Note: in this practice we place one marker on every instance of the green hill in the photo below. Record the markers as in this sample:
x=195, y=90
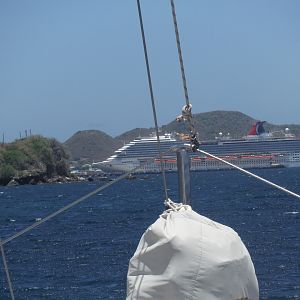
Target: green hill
x=35, y=156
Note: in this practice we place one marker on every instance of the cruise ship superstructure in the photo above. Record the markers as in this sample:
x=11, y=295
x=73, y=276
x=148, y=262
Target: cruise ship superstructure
x=256, y=150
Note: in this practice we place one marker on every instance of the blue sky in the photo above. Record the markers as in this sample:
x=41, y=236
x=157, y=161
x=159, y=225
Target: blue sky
x=71, y=65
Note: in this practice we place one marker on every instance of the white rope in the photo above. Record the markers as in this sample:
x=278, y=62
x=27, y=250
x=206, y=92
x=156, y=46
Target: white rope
x=251, y=174
x=7, y=272
x=173, y=206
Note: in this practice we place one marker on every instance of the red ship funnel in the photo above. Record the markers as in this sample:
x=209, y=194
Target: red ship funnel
x=257, y=128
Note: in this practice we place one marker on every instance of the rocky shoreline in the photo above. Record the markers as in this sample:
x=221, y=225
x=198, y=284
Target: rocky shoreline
x=43, y=179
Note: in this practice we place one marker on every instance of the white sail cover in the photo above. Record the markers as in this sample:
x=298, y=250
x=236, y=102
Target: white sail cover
x=184, y=255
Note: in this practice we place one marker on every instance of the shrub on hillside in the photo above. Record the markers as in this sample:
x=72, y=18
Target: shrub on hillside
x=7, y=172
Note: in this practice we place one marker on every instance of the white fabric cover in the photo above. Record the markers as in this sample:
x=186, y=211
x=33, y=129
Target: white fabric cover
x=184, y=255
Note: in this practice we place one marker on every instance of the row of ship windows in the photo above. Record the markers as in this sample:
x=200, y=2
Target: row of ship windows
x=222, y=144
x=216, y=148
x=205, y=163
x=260, y=145
x=155, y=153
x=261, y=162
x=221, y=151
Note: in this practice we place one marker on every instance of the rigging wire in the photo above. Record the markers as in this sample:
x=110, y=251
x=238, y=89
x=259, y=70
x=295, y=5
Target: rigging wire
x=68, y=206
x=7, y=272
x=152, y=99
x=180, y=54
x=63, y=209
x=189, y=118
x=187, y=109
x=250, y=173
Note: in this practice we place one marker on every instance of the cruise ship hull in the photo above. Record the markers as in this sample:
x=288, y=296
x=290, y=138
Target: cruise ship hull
x=202, y=163
x=141, y=155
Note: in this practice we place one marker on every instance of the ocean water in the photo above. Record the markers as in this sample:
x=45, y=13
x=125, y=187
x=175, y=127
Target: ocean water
x=84, y=252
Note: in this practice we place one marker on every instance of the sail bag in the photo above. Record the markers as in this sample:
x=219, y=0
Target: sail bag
x=184, y=255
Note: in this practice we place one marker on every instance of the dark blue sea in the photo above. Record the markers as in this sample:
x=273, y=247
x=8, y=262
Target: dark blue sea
x=84, y=252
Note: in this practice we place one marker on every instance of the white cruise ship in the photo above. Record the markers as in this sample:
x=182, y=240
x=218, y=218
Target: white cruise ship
x=256, y=150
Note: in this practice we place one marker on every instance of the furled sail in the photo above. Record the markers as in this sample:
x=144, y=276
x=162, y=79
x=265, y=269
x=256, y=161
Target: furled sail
x=184, y=255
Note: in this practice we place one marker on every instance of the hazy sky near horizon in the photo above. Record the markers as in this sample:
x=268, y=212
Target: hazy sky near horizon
x=72, y=65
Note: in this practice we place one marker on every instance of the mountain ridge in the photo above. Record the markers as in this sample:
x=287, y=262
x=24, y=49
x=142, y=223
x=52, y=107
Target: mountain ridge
x=97, y=145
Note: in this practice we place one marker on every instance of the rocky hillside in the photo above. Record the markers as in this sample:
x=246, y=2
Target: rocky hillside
x=89, y=145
